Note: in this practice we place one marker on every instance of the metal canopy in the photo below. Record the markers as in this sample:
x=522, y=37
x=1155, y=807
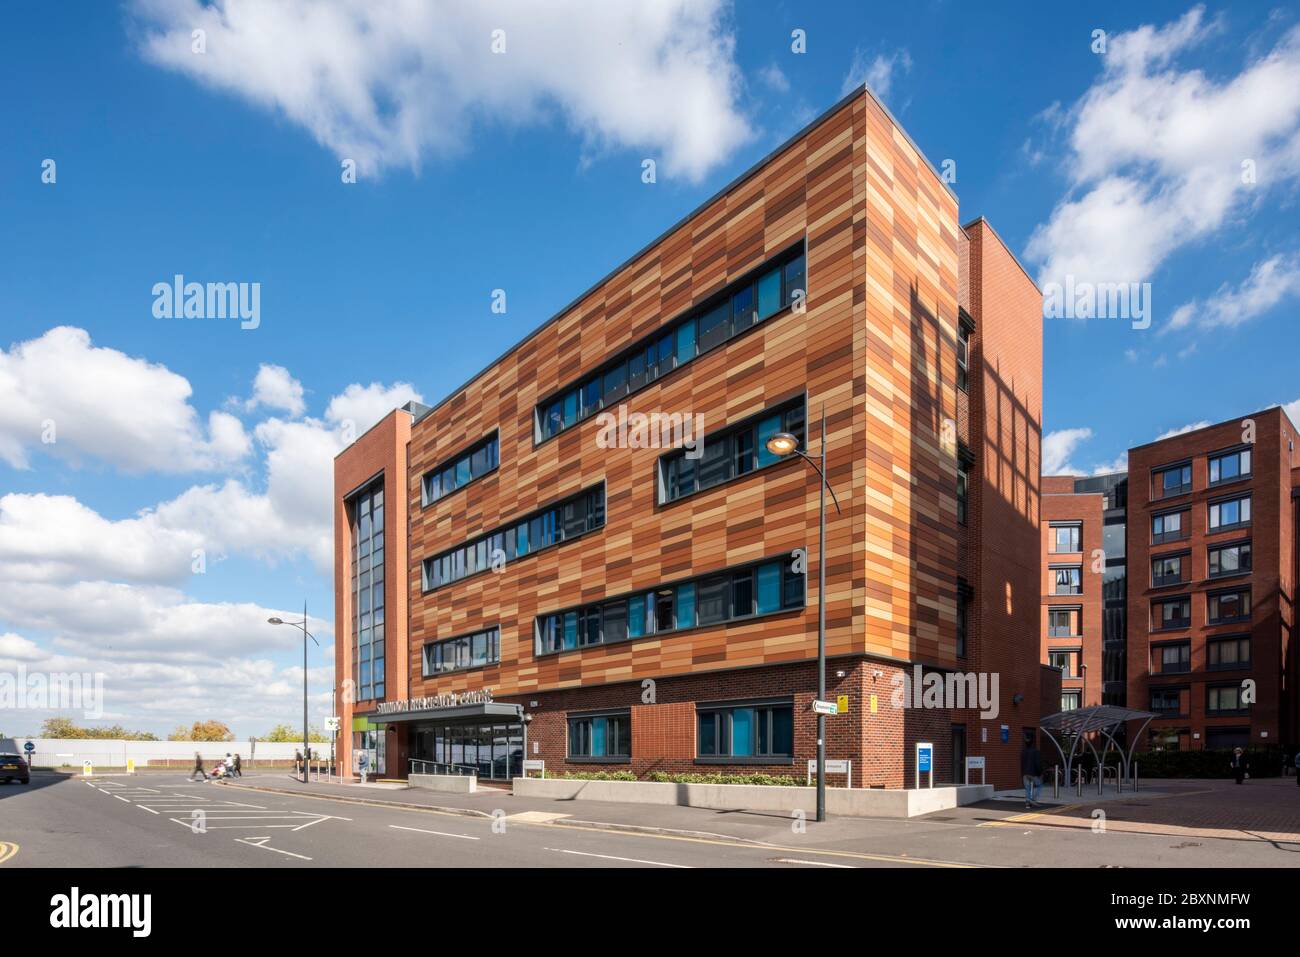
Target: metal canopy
x=1101, y=719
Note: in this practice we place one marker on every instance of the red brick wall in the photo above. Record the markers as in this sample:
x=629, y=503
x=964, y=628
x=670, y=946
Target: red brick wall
x=1087, y=508
x=1271, y=580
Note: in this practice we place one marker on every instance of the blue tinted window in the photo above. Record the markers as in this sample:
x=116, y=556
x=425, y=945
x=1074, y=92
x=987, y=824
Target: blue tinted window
x=686, y=341
x=769, y=588
x=742, y=732
x=686, y=605
x=769, y=294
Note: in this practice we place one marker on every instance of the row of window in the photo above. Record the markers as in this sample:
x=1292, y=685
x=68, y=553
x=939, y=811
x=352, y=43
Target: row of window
x=1220, y=608
x=729, y=454
x=1221, y=467
x=367, y=519
x=1221, y=562
x=757, y=731
x=1221, y=654
x=762, y=294
x=552, y=525
x=472, y=464
x=762, y=589
x=1219, y=700
x=1220, y=515
x=466, y=651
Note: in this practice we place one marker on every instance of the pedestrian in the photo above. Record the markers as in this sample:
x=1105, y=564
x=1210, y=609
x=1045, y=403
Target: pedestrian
x=1297, y=768
x=1239, y=765
x=239, y=767
x=297, y=762
x=1031, y=770
x=198, y=767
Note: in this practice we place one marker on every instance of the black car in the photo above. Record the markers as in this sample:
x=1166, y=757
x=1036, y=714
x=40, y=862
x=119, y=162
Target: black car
x=13, y=767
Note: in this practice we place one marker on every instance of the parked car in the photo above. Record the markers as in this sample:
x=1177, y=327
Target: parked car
x=13, y=767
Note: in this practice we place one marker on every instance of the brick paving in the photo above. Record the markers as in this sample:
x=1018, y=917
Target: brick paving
x=1266, y=809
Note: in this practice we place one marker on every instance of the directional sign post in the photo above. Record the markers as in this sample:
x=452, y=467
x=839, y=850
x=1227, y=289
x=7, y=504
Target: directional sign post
x=825, y=707
x=924, y=761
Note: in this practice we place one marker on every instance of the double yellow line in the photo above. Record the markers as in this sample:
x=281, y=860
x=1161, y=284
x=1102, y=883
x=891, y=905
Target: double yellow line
x=7, y=850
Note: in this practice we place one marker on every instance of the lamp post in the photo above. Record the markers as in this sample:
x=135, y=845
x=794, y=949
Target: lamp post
x=306, y=737
x=783, y=444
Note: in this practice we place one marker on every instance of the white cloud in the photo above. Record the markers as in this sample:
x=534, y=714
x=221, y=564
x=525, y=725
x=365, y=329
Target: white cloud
x=78, y=401
x=877, y=72
x=360, y=407
x=1270, y=282
x=275, y=388
x=1119, y=464
x=773, y=77
x=385, y=84
x=55, y=538
x=1156, y=152
x=1058, y=446
x=1182, y=430
x=1293, y=410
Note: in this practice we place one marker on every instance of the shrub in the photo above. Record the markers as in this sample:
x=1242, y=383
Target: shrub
x=761, y=780
x=592, y=775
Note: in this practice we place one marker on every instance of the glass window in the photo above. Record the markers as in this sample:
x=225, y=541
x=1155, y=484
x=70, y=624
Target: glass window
x=743, y=310
x=1233, y=511
x=615, y=383
x=1068, y=581
x=1229, y=466
x=1173, y=658
x=963, y=491
x=751, y=732
x=1060, y=622
x=713, y=599
x=769, y=588
x=769, y=294
x=1174, y=614
x=1066, y=538
x=1225, y=653
x=1228, y=606
x=1173, y=481
x=1230, y=559
x=794, y=281
x=686, y=341
x=686, y=605
x=636, y=616
x=1169, y=570
x=603, y=736
x=614, y=617
x=1168, y=527
x=963, y=356
x=715, y=326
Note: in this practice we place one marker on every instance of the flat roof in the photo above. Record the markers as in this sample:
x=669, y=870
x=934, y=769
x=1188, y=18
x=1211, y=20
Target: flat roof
x=737, y=181
x=1215, y=425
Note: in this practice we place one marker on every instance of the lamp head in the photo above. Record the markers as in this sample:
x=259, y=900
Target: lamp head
x=783, y=443
x=275, y=621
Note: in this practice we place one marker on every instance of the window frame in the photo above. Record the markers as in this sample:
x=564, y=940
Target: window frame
x=588, y=717
x=1056, y=585
x=469, y=636
x=1178, y=624
x=1159, y=489
x=1236, y=451
x=1216, y=641
x=451, y=462
x=1184, y=526
x=1219, y=594
x=621, y=360
x=1219, y=548
x=1184, y=564
x=1053, y=542
x=1157, y=651
x=1239, y=498
x=719, y=709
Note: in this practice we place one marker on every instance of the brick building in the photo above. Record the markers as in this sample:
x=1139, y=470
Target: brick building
x=1212, y=549
x=517, y=578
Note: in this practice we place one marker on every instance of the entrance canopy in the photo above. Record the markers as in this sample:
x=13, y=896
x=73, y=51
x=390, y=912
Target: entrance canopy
x=479, y=713
x=1082, y=724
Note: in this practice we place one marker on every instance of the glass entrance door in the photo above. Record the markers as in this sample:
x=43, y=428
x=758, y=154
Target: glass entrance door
x=494, y=751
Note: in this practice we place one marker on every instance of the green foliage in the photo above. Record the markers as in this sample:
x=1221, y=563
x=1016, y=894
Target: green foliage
x=760, y=780
x=288, y=734
x=1264, y=763
x=593, y=775
x=65, y=728
x=202, y=731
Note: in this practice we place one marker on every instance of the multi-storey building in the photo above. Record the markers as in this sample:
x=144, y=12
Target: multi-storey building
x=1084, y=623
x=1212, y=539
x=533, y=568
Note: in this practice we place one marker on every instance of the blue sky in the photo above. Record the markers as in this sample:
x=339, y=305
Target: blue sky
x=522, y=171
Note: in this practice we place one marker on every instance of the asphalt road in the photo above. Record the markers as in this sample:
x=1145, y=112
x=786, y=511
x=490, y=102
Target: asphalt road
x=163, y=820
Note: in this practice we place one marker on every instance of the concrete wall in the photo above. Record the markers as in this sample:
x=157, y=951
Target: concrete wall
x=848, y=802
x=108, y=752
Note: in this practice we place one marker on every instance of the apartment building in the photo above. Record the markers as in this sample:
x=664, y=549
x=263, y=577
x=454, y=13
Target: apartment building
x=545, y=566
x=1212, y=548
x=1085, y=589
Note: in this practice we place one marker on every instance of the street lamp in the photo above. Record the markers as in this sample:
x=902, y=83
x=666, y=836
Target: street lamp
x=783, y=444
x=306, y=738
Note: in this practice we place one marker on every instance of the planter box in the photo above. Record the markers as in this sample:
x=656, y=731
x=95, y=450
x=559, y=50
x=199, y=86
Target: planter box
x=847, y=802
x=452, y=783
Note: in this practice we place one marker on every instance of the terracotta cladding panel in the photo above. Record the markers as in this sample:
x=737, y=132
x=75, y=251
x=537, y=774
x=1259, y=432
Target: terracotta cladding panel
x=876, y=345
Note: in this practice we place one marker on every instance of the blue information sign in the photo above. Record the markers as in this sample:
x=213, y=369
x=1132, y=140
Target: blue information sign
x=923, y=757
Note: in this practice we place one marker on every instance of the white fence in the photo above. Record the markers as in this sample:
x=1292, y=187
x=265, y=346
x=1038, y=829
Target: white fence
x=111, y=753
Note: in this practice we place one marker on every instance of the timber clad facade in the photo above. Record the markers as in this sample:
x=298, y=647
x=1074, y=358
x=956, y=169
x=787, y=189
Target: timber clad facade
x=683, y=630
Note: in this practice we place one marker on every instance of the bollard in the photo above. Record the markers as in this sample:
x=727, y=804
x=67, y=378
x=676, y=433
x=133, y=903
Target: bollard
x=1056, y=781
x=1135, y=776
x=1078, y=782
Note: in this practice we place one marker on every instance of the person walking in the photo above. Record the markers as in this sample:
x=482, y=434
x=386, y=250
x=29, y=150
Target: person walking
x=1239, y=766
x=239, y=767
x=1031, y=770
x=297, y=762
x=198, y=767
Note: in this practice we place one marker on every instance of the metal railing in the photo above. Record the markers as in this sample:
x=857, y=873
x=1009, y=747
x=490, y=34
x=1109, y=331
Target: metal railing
x=420, y=766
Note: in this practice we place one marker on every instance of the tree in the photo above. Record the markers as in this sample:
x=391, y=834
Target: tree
x=211, y=731
x=64, y=728
x=287, y=734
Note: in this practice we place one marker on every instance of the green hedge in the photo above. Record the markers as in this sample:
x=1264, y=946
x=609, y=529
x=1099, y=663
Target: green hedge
x=762, y=780
x=1264, y=763
x=592, y=775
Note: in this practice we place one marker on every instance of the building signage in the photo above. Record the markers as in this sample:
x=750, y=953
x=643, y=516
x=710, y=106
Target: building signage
x=449, y=699
x=824, y=707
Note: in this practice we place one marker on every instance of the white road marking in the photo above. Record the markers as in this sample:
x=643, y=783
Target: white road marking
x=610, y=857
x=795, y=860
x=463, y=837
x=120, y=798
x=149, y=809
x=261, y=842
